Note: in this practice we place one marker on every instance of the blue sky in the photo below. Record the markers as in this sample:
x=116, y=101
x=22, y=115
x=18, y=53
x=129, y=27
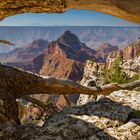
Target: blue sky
x=71, y=17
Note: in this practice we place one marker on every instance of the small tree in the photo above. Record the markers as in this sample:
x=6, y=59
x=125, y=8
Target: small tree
x=116, y=75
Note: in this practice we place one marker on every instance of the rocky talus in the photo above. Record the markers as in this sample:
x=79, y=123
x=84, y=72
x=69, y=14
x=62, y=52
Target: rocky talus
x=116, y=117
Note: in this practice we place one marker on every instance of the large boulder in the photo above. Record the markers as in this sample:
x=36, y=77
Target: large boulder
x=113, y=118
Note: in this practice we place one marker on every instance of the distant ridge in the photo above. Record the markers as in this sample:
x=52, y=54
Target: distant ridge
x=93, y=36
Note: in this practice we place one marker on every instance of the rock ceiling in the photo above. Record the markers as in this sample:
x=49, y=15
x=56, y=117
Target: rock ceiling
x=125, y=9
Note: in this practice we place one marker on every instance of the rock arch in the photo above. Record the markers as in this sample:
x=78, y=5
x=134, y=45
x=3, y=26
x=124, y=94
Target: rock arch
x=126, y=9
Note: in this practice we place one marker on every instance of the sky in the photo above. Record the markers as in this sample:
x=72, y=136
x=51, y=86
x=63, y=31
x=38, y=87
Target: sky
x=69, y=18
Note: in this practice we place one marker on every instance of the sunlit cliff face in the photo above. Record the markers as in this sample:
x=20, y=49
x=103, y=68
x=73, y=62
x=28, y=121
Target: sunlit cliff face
x=129, y=10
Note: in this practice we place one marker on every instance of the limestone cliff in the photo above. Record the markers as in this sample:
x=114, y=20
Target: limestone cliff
x=132, y=50
x=129, y=52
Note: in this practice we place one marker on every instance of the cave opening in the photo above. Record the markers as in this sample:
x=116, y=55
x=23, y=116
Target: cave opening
x=67, y=46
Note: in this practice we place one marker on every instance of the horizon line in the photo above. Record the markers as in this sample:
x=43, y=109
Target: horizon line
x=72, y=26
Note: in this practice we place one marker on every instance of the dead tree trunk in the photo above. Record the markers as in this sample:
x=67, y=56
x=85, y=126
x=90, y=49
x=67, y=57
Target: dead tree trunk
x=15, y=83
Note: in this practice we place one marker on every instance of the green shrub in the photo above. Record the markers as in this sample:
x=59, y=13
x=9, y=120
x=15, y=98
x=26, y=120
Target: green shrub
x=135, y=115
x=116, y=75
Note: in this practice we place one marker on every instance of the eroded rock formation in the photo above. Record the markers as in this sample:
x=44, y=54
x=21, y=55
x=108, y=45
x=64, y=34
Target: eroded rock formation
x=132, y=50
x=66, y=57
x=128, y=9
x=105, y=49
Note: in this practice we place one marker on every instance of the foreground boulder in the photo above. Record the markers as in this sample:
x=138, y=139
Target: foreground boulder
x=129, y=131
x=113, y=118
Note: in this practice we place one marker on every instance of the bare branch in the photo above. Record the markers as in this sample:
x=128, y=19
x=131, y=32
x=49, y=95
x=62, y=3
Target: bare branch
x=15, y=83
x=67, y=100
x=131, y=85
x=35, y=101
x=6, y=42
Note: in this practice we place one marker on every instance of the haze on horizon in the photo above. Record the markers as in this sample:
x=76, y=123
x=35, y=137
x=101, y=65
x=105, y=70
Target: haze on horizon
x=69, y=18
